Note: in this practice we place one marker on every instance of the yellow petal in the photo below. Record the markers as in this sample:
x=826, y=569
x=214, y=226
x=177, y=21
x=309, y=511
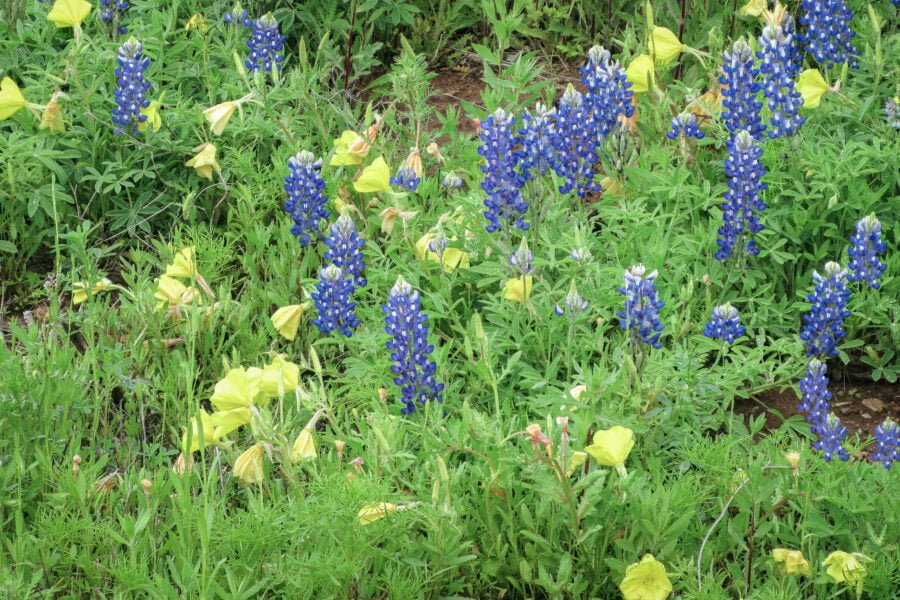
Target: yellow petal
x=11, y=98
x=169, y=291
x=287, y=320
x=374, y=178
x=664, y=45
x=640, y=72
x=754, y=8
x=196, y=22
x=249, y=467
x=154, y=121
x=646, y=580
x=183, y=265
x=204, y=162
x=278, y=378
x=794, y=563
x=349, y=149
x=576, y=460
x=518, y=289
x=237, y=390
x=373, y=512
x=206, y=433
x=80, y=289
x=226, y=421
x=218, y=116
x=612, y=446
x=52, y=118
x=69, y=13
x=304, y=446
x=844, y=567
x=812, y=87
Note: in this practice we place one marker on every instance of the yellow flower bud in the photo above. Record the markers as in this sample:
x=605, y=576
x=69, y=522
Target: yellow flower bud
x=217, y=116
x=304, y=446
x=794, y=563
x=287, y=320
x=81, y=290
x=249, y=466
x=664, y=45
x=204, y=161
x=373, y=512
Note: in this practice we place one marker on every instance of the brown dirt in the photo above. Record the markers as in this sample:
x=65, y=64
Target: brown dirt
x=848, y=401
x=452, y=88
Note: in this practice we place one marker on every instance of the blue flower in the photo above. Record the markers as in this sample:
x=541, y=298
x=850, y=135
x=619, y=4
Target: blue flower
x=413, y=368
x=608, y=96
x=575, y=145
x=779, y=65
x=815, y=399
x=452, y=181
x=573, y=306
x=579, y=255
x=892, y=113
x=237, y=16
x=537, y=140
x=642, y=304
x=828, y=35
x=740, y=212
x=823, y=327
x=503, y=180
x=887, y=444
x=741, y=108
x=306, y=200
x=831, y=438
x=113, y=11
x=406, y=178
x=332, y=300
x=521, y=260
x=266, y=45
x=725, y=324
x=345, y=246
x=865, y=246
x=685, y=125
x=131, y=87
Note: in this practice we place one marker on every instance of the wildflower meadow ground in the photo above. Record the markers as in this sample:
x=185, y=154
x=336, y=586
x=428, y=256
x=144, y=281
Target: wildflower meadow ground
x=498, y=299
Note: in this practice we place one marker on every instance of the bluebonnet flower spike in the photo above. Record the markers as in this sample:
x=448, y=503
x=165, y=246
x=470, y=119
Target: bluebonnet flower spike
x=743, y=205
x=641, y=312
x=573, y=306
x=741, y=108
x=865, y=247
x=815, y=399
x=406, y=178
x=306, y=197
x=266, y=46
x=537, y=132
x=887, y=444
x=779, y=65
x=451, y=181
x=725, y=324
x=503, y=181
x=413, y=368
x=332, y=299
x=831, y=439
x=131, y=87
x=685, y=125
x=345, y=246
x=823, y=326
x=828, y=36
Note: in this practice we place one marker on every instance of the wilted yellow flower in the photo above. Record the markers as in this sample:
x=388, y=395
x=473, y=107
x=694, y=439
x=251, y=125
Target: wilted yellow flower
x=183, y=264
x=287, y=320
x=613, y=186
x=279, y=377
x=238, y=389
x=196, y=22
x=80, y=290
x=154, y=121
x=373, y=512
x=204, y=161
x=69, y=13
x=576, y=460
x=390, y=215
x=226, y=421
x=812, y=87
x=52, y=117
x=793, y=459
x=612, y=446
x=11, y=98
x=794, y=563
x=205, y=432
x=646, y=580
x=844, y=567
x=169, y=292
x=349, y=149
x=518, y=289
x=640, y=73
x=664, y=45
x=434, y=151
x=414, y=161
x=218, y=116
x=452, y=257
x=374, y=178
x=304, y=446
x=249, y=467
x=776, y=15
x=754, y=8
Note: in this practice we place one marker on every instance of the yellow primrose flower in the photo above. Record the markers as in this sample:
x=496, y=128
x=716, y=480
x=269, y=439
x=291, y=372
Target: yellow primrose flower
x=452, y=257
x=183, y=265
x=812, y=87
x=196, y=22
x=612, y=446
x=754, y=8
x=11, y=98
x=154, y=121
x=794, y=563
x=373, y=512
x=204, y=161
x=226, y=421
x=249, y=466
x=69, y=13
x=304, y=446
x=646, y=580
x=576, y=460
x=169, y=292
x=390, y=215
x=80, y=290
x=845, y=567
x=205, y=432
x=350, y=149
x=287, y=320
x=664, y=45
x=640, y=73
x=278, y=378
x=52, y=118
x=238, y=389
x=218, y=116
x=374, y=178
x=518, y=289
